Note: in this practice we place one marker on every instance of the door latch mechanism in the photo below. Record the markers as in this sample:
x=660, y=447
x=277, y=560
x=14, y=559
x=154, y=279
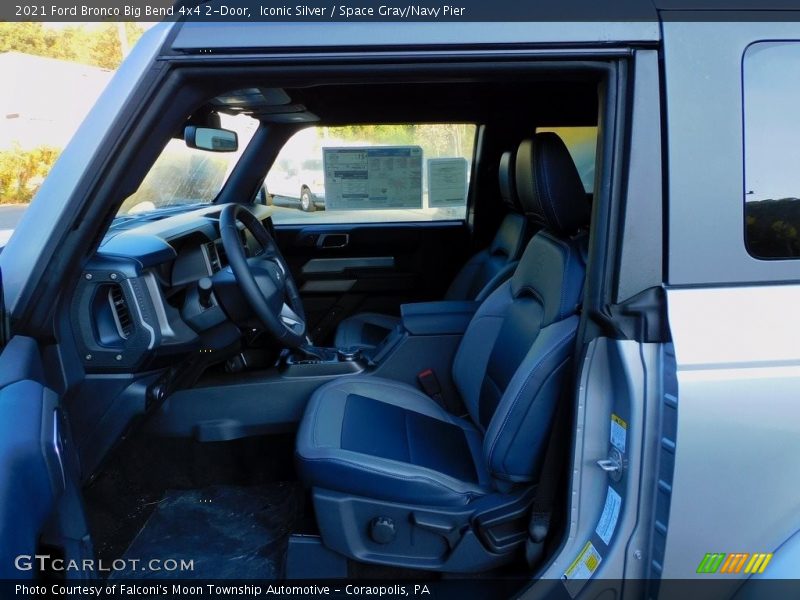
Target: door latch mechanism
x=614, y=465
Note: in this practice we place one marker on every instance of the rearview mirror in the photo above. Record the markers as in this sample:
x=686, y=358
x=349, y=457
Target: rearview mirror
x=208, y=138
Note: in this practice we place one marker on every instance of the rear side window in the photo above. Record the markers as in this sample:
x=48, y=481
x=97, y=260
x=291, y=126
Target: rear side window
x=372, y=174
x=771, y=76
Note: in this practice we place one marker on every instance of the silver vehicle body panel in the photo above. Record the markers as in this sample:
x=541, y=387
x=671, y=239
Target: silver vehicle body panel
x=616, y=375
x=736, y=340
x=703, y=80
x=198, y=35
x=738, y=447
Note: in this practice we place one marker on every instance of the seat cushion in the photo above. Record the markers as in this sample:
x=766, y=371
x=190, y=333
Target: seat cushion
x=386, y=440
x=364, y=330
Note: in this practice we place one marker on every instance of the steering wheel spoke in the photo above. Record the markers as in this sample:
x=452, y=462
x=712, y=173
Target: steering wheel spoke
x=291, y=318
x=265, y=280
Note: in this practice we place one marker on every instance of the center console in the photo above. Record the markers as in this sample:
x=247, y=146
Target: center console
x=270, y=400
x=426, y=321
x=313, y=361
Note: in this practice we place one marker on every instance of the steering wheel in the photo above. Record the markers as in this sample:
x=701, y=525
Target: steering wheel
x=264, y=280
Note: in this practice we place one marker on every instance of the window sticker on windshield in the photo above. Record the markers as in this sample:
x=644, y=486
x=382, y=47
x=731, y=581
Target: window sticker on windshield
x=619, y=433
x=581, y=570
x=608, y=520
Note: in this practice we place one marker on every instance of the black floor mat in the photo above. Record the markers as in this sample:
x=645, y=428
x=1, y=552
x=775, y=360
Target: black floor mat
x=144, y=468
x=229, y=532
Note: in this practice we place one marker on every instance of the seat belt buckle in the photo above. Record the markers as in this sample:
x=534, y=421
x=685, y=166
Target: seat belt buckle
x=430, y=384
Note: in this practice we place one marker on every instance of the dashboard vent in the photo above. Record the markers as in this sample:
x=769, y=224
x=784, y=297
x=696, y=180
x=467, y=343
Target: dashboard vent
x=122, y=314
x=213, y=257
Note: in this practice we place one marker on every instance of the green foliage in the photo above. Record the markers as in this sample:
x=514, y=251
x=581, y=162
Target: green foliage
x=441, y=140
x=396, y=135
x=22, y=172
x=98, y=46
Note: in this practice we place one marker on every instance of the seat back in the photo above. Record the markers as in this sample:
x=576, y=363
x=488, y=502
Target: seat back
x=485, y=271
x=512, y=362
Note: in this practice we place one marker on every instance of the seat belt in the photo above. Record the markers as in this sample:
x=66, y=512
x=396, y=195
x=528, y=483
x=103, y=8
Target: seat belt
x=542, y=507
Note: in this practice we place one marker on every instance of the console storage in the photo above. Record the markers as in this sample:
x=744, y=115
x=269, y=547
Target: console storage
x=437, y=318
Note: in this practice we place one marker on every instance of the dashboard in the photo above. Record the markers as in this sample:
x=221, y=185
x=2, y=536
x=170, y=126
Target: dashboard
x=138, y=305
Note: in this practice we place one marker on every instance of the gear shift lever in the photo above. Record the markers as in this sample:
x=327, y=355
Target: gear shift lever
x=324, y=354
x=204, y=289
x=348, y=354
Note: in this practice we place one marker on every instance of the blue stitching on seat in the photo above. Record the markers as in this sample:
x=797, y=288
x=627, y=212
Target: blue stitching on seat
x=513, y=477
x=549, y=199
x=404, y=477
x=561, y=310
x=522, y=388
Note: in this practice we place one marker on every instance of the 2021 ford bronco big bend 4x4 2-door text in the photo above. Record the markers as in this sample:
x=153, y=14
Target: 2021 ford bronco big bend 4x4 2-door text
x=538, y=333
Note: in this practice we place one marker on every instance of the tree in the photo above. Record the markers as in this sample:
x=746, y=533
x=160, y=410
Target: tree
x=108, y=46
x=31, y=38
x=97, y=46
x=442, y=140
x=22, y=171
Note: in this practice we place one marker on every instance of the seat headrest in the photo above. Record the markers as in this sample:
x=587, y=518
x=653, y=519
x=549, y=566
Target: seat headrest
x=549, y=186
x=508, y=182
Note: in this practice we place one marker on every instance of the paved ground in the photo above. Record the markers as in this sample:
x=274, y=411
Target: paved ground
x=10, y=214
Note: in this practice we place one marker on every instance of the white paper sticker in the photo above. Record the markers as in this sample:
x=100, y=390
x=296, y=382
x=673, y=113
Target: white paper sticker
x=447, y=182
x=608, y=520
x=581, y=569
x=619, y=433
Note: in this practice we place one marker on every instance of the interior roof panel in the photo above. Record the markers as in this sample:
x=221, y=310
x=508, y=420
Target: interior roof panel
x=554, y=102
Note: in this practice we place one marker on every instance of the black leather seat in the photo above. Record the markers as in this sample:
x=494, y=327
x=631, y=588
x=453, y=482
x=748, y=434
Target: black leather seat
x=478, y=278
x=396, y=478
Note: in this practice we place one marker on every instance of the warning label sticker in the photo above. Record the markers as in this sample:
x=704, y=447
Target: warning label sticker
x=581, y=569
x=608, y=520
x=619, y=433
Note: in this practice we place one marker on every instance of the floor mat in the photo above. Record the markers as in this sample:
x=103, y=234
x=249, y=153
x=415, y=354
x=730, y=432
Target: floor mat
x=140, y=471
x=229, y=532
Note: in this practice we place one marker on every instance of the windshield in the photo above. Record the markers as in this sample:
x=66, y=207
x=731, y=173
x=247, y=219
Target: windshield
x=183, y=175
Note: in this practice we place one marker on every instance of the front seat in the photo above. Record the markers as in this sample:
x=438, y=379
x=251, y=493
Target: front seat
x=478, y=278
x=398, y=480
